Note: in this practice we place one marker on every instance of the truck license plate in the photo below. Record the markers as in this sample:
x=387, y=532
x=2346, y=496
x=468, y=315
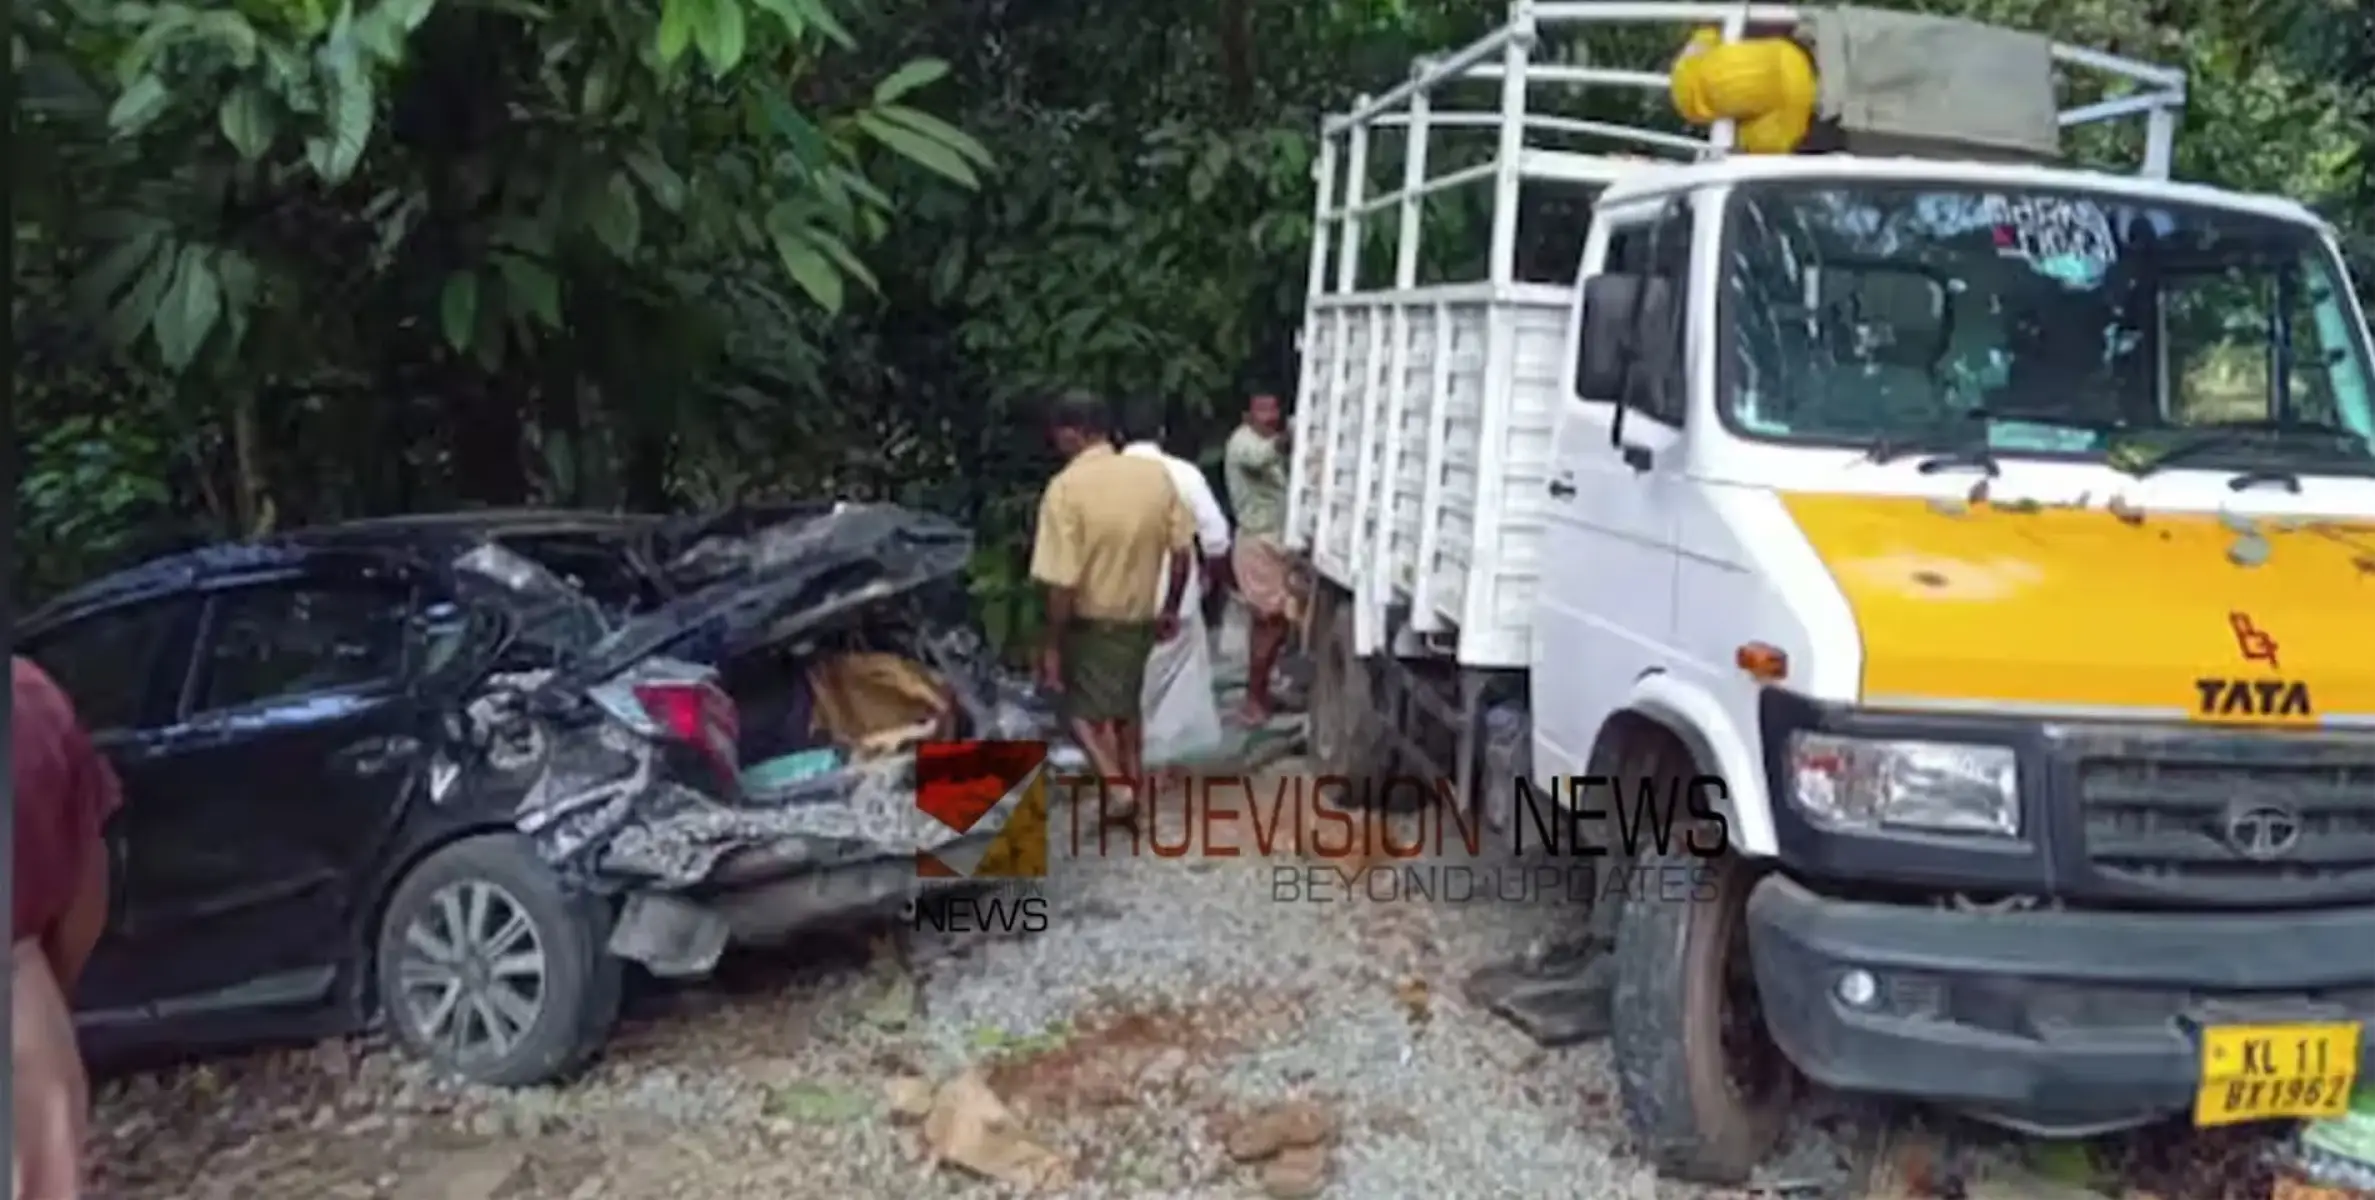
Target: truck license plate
x=2274, y=1072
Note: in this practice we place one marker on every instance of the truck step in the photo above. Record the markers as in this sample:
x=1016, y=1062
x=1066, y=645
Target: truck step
x=1558, y=998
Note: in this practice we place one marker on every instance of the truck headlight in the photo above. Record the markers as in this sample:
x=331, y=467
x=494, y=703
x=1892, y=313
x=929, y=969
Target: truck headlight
x=1869, y=784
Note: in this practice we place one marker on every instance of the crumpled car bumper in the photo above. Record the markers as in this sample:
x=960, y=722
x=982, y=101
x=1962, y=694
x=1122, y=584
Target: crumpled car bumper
x=698, y=873
x=763, y=893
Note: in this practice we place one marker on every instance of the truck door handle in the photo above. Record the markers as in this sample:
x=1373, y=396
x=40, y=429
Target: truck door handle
x=375, y=755
x=1560, y=489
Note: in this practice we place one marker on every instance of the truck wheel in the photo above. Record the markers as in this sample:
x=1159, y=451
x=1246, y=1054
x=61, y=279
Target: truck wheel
x=489, y=969
x=1347, y=735
x=1704, y=1087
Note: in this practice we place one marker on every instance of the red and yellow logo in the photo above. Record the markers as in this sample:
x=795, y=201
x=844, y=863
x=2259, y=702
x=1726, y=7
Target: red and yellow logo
x=994, y=796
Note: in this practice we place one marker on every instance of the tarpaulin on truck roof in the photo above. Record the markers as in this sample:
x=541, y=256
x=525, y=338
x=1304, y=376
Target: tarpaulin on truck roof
x=1900, y=83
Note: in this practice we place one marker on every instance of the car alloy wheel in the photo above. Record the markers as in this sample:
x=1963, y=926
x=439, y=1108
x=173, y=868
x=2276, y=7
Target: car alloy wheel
x=472, y=972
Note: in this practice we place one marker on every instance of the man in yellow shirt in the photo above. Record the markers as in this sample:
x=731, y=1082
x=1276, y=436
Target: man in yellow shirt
x=1110, y=527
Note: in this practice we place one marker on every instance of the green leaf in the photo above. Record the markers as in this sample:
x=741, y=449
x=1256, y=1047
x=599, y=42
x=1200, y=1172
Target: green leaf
x=139, y=106
x=807, y=141
x=380, y=36
x=808, y=267
x=800, y=16
x=616, y=218
x=408, y=14
x=844, y=258
x=949, y=271
x=230, y=30
x=189, y=310
x=914, y=74
x=722, y=37
x=457, y=309
x=923, y=151
x=820, y=14
x=527, y=283
x=336, y=153
x=863, y=188
x=164, y=26
x=660, y=179
x=677, y=19
x=938, y=130
x=601, y=84
x=247, y=121
x=95, y=288
x=133, y=316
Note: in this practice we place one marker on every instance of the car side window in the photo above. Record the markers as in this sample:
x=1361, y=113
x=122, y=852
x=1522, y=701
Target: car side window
x=1660, y=248
x=109, y=662
x=288, y=641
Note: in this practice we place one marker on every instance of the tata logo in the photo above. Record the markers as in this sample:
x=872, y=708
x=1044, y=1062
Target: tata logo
x=2246, y=698
x=2253, y=698
x=2254, y=643
x=2263, y=832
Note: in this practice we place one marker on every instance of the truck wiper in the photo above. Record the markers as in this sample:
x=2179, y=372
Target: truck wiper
x=1944, y=453
x=1967, y=456
x=2246, y=480
x=2141, y=461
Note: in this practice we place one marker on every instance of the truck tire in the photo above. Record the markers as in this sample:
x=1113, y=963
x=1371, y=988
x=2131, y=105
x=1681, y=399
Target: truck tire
x=1347, y=734
x=1703, y=1086
x=489, y=969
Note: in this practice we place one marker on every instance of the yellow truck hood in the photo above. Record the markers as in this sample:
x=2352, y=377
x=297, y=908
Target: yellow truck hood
x=2097, y=612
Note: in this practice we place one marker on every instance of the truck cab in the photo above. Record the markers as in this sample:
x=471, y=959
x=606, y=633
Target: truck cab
x=1996, y=531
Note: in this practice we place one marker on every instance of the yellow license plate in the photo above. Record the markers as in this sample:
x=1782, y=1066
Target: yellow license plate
x=2276, y=1072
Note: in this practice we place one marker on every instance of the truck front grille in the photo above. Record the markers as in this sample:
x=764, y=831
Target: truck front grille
x=2198, y=830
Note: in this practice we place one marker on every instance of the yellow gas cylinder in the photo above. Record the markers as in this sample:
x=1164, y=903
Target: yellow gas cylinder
x=1766, y=85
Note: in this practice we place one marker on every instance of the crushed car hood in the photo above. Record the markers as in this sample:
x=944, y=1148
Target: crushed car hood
x=778, y=582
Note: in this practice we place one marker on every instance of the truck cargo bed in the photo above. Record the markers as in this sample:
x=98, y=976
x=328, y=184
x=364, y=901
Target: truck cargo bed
x=1427, y=445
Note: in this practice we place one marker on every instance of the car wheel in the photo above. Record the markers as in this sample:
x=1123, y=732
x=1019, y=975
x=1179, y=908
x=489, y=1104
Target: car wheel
x=1704, y=1087
x=492, y=971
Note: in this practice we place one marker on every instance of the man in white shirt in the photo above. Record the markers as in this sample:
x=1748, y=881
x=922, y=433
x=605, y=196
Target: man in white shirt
x=1182, y=717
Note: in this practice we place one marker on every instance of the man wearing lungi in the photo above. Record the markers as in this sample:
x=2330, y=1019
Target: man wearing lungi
x=1114, y=547
x=1256, y=473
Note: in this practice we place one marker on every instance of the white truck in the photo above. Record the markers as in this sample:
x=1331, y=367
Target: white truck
x=2002, y=533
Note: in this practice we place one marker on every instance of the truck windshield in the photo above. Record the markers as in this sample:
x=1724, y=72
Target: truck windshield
x=2039, y=322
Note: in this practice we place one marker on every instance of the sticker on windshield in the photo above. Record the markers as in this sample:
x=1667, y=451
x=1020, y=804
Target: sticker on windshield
x=2036, y=438
x=2066, y=240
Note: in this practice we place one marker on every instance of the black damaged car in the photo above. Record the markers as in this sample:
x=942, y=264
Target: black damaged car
x=456, y=772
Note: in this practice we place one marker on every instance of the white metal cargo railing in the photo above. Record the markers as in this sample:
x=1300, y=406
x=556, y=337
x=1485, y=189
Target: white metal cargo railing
x=1505, y=55
x=1407, y=106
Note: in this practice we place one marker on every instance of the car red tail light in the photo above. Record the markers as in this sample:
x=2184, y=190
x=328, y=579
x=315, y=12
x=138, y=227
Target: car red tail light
x=699, y=713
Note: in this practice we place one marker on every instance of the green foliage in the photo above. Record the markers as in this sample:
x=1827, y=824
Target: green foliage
x=345, y=256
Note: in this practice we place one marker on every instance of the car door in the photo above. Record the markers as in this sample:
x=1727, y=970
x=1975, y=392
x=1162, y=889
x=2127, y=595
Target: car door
x=1607, y=598
x=296, y=752
x=123, y=667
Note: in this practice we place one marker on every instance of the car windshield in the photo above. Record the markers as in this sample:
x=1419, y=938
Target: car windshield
x=2039, y=322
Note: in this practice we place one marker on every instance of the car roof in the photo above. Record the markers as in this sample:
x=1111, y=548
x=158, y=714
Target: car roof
x=391, y=538
x=478, y=523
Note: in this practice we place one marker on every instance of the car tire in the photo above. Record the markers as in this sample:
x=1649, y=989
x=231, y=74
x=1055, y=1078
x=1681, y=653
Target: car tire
x=465, y=1002
x=1703, y=1086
